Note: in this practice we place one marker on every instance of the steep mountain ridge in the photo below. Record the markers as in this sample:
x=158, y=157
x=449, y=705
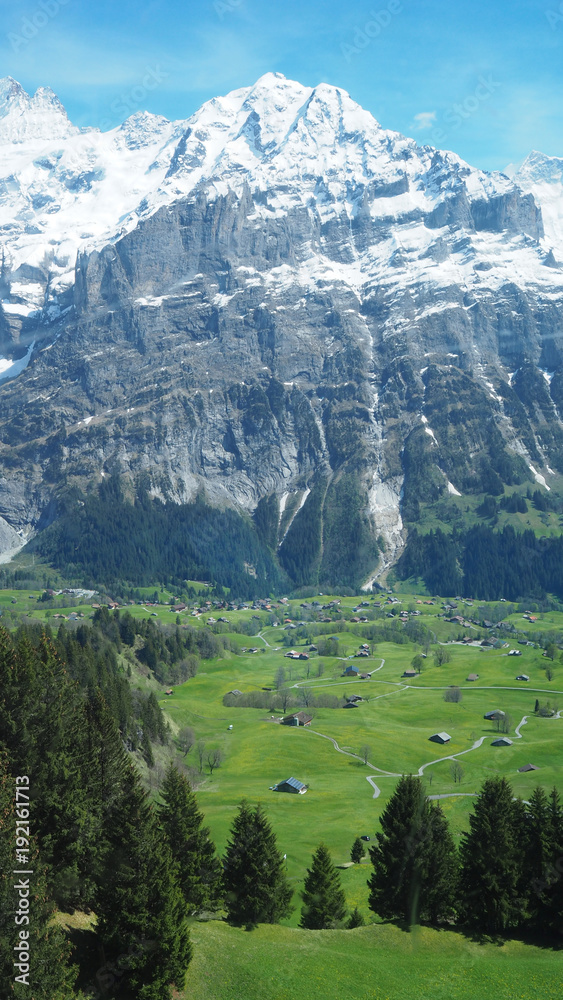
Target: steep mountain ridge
x=314, y=318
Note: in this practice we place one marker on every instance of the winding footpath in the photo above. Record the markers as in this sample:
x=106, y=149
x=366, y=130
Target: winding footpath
x=399, y=686
x=394, y=774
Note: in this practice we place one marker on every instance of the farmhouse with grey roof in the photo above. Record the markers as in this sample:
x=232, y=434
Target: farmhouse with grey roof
x=291, y=785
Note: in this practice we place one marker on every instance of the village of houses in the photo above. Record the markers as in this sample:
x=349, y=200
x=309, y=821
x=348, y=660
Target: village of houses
x=281, y=615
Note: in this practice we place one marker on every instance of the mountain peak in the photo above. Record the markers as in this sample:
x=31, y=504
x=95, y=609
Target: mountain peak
x=10, y=91
x=23, y=117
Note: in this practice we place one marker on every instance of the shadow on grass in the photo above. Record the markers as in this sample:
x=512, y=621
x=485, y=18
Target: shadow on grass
x=87, y=954
x=531, y=936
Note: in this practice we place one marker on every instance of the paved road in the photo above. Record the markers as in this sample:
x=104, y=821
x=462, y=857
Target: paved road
x=451, y=795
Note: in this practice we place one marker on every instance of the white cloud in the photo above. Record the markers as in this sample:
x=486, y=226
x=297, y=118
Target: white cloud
x=424, y=119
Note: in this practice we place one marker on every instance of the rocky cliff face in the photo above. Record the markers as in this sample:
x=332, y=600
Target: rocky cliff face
x=285, y=304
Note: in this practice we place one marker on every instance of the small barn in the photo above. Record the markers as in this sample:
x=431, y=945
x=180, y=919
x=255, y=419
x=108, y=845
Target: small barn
x=473, y=677
x=522, y=677
x=297, y=719
x=440, y=738
x=528, y=767
x=409, y=673
x=351, y=671
x=503, y=741
x=291, y=785
x=350, y=704
x=495, y=715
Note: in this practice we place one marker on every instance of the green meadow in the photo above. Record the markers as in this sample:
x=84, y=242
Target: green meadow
x=395, y=719
x=378, y=962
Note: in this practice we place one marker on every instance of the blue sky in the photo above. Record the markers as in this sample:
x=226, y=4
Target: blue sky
x=482, y=78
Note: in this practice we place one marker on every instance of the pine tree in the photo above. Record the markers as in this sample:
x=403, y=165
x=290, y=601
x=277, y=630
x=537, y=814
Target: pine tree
x=414, y=860
x=440, y=872
x=105, y=769
x=199, y=870
x=357, y=852
x=324, y=902
x=41, y=723
x=255, y=887
x=555, y=891
x=490, y=861
x=141, y=910
x=534, y=836
x=356, y=919
x=49, y=977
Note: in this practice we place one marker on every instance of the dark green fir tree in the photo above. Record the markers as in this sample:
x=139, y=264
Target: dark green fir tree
x=141, y=910
x=357, y=852
x=324, y=902
x=25, y=921
x=490, y=855
x=414, y=861
x=440, y=868
x=199, y=869
x=255, y=886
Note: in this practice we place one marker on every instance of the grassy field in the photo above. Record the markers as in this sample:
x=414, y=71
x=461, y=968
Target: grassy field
x=395, y=720
x=378, y=962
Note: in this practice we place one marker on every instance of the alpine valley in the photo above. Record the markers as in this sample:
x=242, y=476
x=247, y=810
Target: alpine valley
x=293, y=338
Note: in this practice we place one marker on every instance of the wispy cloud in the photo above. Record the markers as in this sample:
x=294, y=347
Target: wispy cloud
x=424, y=119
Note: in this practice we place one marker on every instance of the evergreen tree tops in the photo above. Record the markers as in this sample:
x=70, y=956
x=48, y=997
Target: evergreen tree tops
x=414, y=860
x=48, y=975
x=255, y=886
x=492, y=855
x=199, y=870
x=141, y=910
x=324, y=902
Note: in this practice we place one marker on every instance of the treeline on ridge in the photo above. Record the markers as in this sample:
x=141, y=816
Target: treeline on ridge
x=484, y=563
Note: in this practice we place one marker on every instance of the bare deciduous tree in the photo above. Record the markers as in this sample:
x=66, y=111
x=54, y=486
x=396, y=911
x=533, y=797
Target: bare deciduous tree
x=504, y=723
x=306, y=696
x=280, y=678
x=214, y=759
x=456, y=771
x=284, y=695
x=200, y=753
x=186, y=740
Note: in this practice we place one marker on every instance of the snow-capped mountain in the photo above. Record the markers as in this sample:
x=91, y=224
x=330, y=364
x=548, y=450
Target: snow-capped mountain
x=65, y=189
x=268, y=297
x=542, y=177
